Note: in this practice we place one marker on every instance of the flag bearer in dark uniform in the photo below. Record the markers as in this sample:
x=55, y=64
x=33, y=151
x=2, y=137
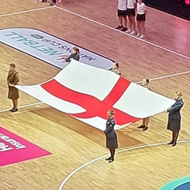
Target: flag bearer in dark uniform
x=174, y=118
x=111, y=137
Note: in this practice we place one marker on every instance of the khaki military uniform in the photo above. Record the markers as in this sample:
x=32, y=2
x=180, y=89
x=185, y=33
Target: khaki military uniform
x=13, y=79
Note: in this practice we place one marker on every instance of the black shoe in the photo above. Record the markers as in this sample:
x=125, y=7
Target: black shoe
x=171, y=142
x=14, y=110
x=108, y=158
x=119, y=27
x=111, y=160
x=11, y=109
x=145, y=128
x=140, y=127
x=124, y=29
x=174, y=144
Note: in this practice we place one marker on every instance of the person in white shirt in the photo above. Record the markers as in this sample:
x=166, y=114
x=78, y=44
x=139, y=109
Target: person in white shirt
x=141, y=18
x=122, y=13
x=131, y=16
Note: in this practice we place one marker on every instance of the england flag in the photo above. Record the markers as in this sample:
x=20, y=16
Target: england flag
x=87, y=93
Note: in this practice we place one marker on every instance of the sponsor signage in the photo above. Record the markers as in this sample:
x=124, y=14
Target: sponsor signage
x=15, y=149
x=48, y=48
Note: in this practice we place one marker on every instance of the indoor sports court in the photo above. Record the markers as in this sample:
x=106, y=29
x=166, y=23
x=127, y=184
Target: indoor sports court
x=43, y=148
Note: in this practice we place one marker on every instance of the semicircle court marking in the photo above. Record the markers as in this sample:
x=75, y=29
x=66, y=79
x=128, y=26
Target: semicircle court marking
x=178, y=184
x=184, y=186
x=104, y=156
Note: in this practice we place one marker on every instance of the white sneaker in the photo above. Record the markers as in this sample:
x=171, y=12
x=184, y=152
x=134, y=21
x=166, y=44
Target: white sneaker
x=128, y=31
x=138, y=35
x=133, y=32
x=142, y=36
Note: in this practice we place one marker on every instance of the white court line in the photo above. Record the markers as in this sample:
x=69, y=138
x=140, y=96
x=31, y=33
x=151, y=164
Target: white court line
x=24, y=106
x=101, y=157
x=106, y=26
x=26, y=11
x=171, y=75
x=167, y=76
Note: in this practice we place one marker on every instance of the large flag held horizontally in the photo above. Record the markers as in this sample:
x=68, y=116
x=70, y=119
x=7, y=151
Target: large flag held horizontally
x=86, y=93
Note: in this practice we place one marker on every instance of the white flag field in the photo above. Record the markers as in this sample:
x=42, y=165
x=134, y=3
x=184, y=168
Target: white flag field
x=87, y=93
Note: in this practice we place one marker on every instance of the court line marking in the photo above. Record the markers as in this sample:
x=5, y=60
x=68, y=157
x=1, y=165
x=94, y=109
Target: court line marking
x=104, y=156
x=106, y=26
x=26, y=11
x=171, y=75
x=24, y=106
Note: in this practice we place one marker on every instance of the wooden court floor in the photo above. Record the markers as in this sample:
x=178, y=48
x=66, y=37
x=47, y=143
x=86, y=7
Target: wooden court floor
x=162, y=57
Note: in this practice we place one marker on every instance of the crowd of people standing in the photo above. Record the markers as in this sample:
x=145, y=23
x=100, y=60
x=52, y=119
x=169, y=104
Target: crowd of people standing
x=127, y=10
x=131, y=14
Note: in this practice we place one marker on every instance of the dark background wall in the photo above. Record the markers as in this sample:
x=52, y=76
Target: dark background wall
x=175, y=7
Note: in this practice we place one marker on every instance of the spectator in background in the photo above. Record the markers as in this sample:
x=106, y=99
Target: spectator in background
x=122, y=13
x=141, y=18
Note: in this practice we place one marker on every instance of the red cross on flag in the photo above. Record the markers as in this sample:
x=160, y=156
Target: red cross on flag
x=87, y=93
